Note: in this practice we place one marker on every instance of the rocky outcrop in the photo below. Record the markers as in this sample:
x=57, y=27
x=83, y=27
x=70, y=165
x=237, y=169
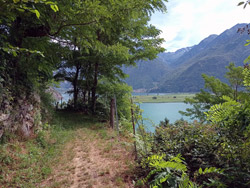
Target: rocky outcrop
x=20, y=116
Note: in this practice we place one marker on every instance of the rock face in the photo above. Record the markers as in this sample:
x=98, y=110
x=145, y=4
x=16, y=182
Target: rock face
x=20, y=116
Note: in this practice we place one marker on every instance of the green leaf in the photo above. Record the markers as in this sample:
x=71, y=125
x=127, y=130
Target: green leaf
x=240, y=3
x=21, y=10
x=200, y=170
x=54, y=7
x=37, y=13
x=14, y=53
x=247, y=60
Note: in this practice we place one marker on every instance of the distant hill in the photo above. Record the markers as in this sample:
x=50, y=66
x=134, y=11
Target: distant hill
x=181, y=71
x=147, y=74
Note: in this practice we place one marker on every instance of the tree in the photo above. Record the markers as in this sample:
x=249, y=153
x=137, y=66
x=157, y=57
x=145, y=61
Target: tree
x=235, y=78
x=216, y=89
x=119, y=37
x=96, y=38
x=24, y=69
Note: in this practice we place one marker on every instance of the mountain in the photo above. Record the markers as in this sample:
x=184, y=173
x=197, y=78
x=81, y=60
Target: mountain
x=147, y=74
x=170, y=58
x=183, y=68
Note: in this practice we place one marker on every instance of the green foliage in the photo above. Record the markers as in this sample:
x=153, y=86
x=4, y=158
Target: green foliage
x=232, y=119
x=235, y=78
x=121, y=39
x=220, y=112
x=215, y=156
x=232, y=116
x=166, y=173
x=203, y=101
x=121, y=91
x=47, y=106
x=209, y=170
x=246, y=74
x=173, y=173
x=25, y=66
x=89, y=41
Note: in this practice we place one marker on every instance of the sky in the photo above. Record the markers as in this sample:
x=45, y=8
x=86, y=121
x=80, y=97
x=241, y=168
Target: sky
x=187, y=22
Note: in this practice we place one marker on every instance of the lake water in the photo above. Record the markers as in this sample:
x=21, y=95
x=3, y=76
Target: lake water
x=157, y=112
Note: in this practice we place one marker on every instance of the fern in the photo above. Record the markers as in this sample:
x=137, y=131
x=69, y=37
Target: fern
x=209, y=170
x=171, y=173
x=221, y=112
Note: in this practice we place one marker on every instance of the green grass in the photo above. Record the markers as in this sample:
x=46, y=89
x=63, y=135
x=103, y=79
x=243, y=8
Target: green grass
x=27, y=163
x=178, y=97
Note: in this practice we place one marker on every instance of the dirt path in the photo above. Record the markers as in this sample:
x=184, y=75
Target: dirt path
x=93, y=160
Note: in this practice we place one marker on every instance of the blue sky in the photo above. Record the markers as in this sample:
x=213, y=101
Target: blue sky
x=187, y=22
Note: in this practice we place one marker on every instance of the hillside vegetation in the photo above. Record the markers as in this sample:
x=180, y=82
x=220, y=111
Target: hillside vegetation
x=181, y=70
x=98, y=138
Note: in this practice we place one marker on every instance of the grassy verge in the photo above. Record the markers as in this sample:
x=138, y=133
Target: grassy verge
x=30, y=163
x=178, y=97
x=26, y=163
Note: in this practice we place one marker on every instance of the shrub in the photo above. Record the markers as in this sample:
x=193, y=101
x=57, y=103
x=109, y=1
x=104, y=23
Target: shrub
x=202, y=146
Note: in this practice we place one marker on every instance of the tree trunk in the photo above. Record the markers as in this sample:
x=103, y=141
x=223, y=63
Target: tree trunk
x=93, y=105
x=75, y=85
x=84, y=96
x=236, y=93
x=89, y=94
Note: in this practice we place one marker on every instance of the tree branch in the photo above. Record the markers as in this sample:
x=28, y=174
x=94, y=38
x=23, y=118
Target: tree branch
x=68, y=25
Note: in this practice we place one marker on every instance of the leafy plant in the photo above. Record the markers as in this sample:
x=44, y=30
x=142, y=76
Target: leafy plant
x=173, y=173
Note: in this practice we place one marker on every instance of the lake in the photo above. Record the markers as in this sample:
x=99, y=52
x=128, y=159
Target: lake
x=158, y=111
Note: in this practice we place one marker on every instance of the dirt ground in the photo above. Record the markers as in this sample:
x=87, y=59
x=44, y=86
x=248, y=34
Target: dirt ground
x=93, y=160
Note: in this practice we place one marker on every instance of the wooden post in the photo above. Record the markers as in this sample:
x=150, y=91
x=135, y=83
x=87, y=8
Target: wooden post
x=112, y=113
x=133, y=123
x=116, y=115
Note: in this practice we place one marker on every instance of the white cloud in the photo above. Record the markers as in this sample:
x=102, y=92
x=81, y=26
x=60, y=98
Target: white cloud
x=188, y=22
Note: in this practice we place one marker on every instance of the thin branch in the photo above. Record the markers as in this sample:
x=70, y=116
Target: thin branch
x=68, y=25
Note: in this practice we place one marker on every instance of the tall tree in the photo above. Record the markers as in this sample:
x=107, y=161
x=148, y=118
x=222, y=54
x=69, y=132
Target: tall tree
x=120, y=36
x=235, y=78
x=216, y=89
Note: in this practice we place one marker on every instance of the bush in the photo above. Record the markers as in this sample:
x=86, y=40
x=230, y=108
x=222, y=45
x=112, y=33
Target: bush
x=202, y=147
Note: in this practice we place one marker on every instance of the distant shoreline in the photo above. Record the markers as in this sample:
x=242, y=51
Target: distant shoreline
x=161, y=98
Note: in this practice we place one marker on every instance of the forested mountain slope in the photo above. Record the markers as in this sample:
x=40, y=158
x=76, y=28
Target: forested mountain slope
x=147, y=74
x=184, y=67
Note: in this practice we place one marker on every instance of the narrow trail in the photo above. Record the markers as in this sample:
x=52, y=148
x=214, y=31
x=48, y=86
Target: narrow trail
x=93, y=160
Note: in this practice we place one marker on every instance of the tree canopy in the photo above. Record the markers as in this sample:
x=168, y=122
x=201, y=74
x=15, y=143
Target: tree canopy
x=78, y=41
